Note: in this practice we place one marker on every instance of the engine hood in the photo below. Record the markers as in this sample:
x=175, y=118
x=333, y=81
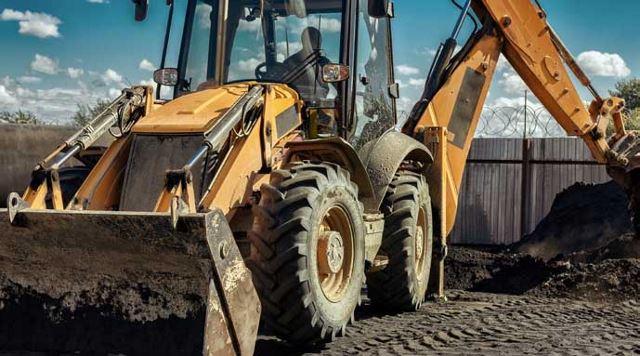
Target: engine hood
x=195, y=112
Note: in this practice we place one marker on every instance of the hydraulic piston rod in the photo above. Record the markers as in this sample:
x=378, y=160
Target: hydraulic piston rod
x=131, y=100
x=216, y=137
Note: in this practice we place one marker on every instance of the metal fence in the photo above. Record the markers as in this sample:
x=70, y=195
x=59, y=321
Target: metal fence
x=510, y=184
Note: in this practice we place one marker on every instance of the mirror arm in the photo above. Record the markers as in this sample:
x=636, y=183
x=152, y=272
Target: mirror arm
x=165, y=47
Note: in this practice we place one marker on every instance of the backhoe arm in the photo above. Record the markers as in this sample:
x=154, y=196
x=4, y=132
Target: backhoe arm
x=540, y=58
x=448, y=113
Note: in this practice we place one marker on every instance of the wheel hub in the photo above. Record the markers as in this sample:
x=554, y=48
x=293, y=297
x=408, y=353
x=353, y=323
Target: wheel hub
x=419, y=242
x=330, y=252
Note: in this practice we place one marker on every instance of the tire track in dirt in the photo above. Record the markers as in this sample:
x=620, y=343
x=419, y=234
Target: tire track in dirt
x=488, y=324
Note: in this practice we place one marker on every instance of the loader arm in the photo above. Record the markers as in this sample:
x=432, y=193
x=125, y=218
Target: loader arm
x=458, y=85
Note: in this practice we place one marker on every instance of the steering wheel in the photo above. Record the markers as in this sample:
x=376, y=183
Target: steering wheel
x=276, y=71
x=261, y=71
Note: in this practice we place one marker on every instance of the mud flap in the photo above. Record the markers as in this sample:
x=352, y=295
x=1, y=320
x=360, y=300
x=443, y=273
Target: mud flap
x=59, y=253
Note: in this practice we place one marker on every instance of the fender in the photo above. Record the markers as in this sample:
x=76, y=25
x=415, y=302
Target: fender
x=383, y=157
x=338, y=151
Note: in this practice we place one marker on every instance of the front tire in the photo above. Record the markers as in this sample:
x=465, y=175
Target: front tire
x=407, y=242
x=307, y=252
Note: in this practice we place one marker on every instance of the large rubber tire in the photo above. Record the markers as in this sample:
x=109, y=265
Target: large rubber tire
x=284, y=257
x=403, y=283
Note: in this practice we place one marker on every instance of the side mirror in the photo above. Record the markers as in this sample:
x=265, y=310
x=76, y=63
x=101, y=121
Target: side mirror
x=379, y=8
x=142, y=7
x=167, y=77
x=334, y=73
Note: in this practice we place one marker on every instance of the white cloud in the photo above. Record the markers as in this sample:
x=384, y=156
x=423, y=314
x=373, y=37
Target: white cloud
x=165, y=91
x=36, y=24
x=146, y=64
x=44, y=64
x=114, y=93
x=55, y=105
x=417, y=82
x=512, y=84
x=250, y=26
x=603, y=64
x=5, y=97
x=330, y=25
x=503, y=65
x=27, y=79
x=515, y=102
x=293, y=47
x=248, y=65
x=407, y=70
x=74, y=73
x=203, y=14
x=98, y=1
x=111, y=76
x=425, y=51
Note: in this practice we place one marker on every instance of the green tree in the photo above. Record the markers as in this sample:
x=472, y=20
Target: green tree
x=629, y=90
x=86, y=113
x=19, y=117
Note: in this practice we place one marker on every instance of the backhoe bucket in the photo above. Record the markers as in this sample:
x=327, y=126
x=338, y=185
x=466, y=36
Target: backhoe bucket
x=123, y=283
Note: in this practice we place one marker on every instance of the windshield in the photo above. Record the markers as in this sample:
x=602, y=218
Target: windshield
x=284, y=41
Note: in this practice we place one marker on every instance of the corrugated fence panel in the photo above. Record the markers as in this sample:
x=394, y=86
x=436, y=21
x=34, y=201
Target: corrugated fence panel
x=504, y=149
x=491, y=197
x=485, y=211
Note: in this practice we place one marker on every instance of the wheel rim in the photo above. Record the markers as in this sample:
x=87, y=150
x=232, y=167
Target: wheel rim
x=421, y=243
x=335, y=253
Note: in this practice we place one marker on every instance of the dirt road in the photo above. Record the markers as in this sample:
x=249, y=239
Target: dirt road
x=478, y=323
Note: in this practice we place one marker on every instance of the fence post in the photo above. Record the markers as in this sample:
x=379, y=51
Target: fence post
x=525, y=186
x=526, y=151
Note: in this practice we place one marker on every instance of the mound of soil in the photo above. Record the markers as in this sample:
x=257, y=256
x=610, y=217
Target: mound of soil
x=607, y=274
x=607, y=281
x=584, y=217
x=491, y=272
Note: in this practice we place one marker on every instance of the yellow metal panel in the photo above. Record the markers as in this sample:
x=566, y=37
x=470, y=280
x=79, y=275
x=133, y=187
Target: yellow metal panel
x=195, y=112
x=531, y=52
x=483, y=59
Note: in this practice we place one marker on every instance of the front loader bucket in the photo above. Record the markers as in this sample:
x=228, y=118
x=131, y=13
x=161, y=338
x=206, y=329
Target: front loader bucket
x=123, y=283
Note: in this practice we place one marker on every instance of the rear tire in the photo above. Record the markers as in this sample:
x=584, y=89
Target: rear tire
x=407, y=242
x=308, y=289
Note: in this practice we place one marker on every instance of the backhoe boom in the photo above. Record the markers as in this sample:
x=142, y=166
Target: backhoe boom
x=517, y=29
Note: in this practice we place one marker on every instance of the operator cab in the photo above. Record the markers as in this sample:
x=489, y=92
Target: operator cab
x=335, y=53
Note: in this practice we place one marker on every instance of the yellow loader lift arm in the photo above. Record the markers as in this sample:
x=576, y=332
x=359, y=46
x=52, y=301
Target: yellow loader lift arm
x=458, y=86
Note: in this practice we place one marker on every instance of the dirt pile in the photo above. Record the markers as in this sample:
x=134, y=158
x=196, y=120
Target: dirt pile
x=607, y=281
x=494, y=271
x=584, y=217
x=609, y=273
x=583, y=250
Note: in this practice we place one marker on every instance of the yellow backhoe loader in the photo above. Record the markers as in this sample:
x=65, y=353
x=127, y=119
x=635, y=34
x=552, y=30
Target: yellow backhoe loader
x=273, y=185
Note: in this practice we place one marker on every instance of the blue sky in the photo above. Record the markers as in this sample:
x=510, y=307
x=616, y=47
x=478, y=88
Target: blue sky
x=60, y=53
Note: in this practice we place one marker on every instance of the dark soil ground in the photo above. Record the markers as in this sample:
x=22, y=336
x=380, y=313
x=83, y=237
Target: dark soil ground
x=473, y=323
x=583, y=250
